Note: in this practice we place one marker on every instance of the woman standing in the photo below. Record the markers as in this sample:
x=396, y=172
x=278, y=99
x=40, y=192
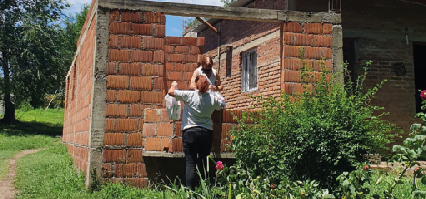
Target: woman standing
x=197, y=125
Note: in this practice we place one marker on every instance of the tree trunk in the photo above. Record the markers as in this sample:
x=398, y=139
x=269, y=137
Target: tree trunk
x=9, y=113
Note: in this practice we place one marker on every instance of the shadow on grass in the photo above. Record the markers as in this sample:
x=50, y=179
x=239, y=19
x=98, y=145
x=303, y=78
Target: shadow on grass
x=19, y=128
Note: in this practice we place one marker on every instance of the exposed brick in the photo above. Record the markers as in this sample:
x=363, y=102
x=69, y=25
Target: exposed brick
x=180, y=67
x=225, y=130
x=134, y=139
x=152, y=70
x=293, y=27
x=160, y=30
x=165, y=129
x=165, y=144
x=110, y=125
x=189, y=41
x=287, y=87
x=292, y=51
x=182, y=49
x=119, y=55
x=170, y=66
x=125, y=170
x=173, y=40
x=327, y=53
x=114, y=138
x=135, y=110
x=134, y=156
x=178, y=129
x=133, y=69
x=152, y=96
x=322, y=41
x=153, y=43
x=149, y=129
x=313, y=53
x=114, y=15
x=175, y=58
x=118, y=82
x=141, y=173
x=288, y=38
x=187, y=76
x=130, y=42
x=158, y=83
x=191, y=66
x=143, y=29
x=151, y=17
x=131, y=16
x=164, y=117
x=169, y=49
x=112, y=68
x=320, y=65
x=200, y=41
x=142, y=56
x=315, y=28
x=326, y=28
x=292, y=76
x=177, y=76
x=151, y=115
x=126, y=124
x=189, y=58
x=140, y=83
x=303, y=40
x=158, y=56
x=113, y=41
x=153, y=144
x=117, y=110
x=195, y=50
x=176, y=145
x=117, y=156
x=120, y=28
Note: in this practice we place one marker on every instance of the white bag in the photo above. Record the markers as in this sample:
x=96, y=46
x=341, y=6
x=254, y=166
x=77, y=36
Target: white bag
x=173, y=107
x=219, y=97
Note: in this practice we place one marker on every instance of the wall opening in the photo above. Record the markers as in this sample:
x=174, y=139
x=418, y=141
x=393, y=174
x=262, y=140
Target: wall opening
x=419, y=52
x=349, y=57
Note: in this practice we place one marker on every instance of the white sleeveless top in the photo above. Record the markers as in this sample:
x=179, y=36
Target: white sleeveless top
x=211, y=79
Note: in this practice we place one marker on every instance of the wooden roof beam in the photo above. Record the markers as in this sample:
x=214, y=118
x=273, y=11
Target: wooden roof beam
x=208, y=25
x=231, y=13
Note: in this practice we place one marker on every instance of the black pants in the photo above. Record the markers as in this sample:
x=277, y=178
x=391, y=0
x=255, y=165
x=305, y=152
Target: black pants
x=197, y=144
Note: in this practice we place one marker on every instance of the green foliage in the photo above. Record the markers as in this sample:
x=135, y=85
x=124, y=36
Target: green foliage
x=353, y=184
x=51, y=117
x=227, y=3
x=316, y=135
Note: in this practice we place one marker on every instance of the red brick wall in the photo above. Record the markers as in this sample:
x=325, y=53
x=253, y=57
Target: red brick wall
x=311, y=39
x=78, y=97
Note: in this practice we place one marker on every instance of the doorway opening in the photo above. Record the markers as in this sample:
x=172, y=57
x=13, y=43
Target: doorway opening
x=419, y=54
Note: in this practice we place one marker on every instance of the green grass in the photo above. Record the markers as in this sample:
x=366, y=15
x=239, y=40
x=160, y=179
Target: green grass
x=29, y=132
x=53, y=176
x=53, y=117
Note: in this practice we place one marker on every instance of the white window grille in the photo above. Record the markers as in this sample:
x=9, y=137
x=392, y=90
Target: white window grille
x=249, y=70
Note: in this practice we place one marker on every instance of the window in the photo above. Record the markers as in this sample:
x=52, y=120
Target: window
x=249, y=71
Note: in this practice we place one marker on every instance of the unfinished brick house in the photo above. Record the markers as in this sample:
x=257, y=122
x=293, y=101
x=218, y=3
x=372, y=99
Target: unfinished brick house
x=116, y=127
x=391, y=33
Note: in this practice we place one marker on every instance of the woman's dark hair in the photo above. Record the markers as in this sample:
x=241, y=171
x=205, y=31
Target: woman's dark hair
x=204, y=62
x=202, y=84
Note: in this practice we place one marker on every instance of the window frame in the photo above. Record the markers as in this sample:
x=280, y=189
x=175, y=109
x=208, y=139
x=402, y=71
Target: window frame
x=246, y=85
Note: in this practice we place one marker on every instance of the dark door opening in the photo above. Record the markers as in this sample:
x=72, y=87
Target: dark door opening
x=349, y=57
x=419, y=53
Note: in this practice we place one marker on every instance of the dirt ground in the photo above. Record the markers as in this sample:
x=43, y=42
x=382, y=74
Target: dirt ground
x=7, y=188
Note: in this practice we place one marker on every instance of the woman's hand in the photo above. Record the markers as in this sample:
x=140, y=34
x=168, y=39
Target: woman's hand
x=174, y=83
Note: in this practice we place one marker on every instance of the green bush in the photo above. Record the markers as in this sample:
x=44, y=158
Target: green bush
x=316, y=135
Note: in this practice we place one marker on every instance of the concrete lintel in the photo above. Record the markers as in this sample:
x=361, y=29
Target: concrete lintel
x=231, y=13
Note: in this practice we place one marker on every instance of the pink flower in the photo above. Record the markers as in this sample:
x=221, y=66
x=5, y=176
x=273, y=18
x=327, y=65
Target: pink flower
x=423, y=95
x=219, y=165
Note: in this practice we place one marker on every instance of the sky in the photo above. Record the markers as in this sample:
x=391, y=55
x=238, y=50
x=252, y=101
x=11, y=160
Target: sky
x=173, y=23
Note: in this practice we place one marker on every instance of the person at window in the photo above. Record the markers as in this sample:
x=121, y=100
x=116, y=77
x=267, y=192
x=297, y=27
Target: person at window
x=197, y=126
x=205, y=68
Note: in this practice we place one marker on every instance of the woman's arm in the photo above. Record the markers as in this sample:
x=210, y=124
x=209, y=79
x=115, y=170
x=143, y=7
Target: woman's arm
x=192, y=86
x=218, y=84
x=172, y=89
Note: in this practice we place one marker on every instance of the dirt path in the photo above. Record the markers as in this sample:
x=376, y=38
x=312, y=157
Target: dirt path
x=7, y=189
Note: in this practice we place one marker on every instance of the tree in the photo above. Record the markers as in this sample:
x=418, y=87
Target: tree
x=29, y=56
x=227, y=3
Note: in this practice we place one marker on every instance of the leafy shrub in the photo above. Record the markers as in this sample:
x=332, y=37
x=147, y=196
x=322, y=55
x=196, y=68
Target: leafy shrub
x=317, y=134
